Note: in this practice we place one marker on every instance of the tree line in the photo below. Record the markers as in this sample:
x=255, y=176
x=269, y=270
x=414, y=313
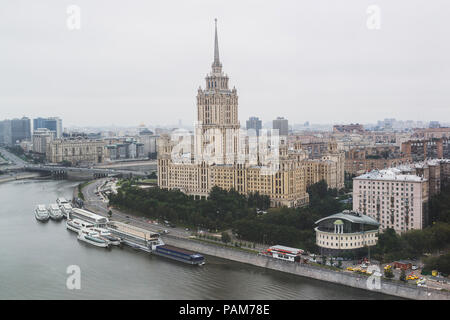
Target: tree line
x=413, y=244
x=249, y=217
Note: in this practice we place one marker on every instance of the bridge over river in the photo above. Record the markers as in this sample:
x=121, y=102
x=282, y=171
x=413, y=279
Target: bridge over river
x=128, y=169
x=63, y=172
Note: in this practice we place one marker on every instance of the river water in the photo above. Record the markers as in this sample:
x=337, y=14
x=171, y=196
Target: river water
x=34, y=257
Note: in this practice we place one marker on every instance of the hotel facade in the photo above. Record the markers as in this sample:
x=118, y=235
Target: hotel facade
x=220, y=153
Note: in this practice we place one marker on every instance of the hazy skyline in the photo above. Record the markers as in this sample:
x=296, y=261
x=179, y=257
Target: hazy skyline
x=142, y=61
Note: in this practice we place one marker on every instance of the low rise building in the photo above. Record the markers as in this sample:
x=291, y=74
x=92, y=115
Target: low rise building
x=362, y=159
x=126, y=150
x=76, y=151
x=349, y=128
x=423, y=149
x=345, y=231
x=430, y=133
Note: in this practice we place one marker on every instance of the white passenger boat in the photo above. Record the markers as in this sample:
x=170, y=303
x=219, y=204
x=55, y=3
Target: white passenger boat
x=62, y=201
x=55, y=212
x=41, y=213
x=106, y=234
x=92, y=237
x=66, y=209
x=77, y=224
x=95, y=219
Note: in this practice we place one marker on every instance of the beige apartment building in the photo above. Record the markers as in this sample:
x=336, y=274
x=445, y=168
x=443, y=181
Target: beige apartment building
x=219, y=154
x=395, y=199
x=41, y=138
x=76, y=151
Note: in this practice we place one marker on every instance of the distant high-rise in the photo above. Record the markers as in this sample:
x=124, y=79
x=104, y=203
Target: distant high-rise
x=254, y=123
x=5, y=132
x=434, y=124
x=282, y=125
x=148, y=139
x=53, y=124
x=20, y=129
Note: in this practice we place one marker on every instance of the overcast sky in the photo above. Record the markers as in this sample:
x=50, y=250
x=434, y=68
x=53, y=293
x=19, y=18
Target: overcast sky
x=139, y=61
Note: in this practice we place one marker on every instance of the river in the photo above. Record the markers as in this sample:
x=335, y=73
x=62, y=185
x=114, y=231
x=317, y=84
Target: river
x=34, y=257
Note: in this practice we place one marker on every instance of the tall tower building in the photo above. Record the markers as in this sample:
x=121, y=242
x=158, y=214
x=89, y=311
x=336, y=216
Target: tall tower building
x=219, y=155
x=20, y=129
x=217, y=128
x=254, y=123
x=281, y=124
x=53, y=124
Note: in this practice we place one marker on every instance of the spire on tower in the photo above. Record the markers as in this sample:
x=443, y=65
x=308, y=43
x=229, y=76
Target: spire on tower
x=216, y=47
x=217, y=66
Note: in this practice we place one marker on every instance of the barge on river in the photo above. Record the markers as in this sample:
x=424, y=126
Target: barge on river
x=151, y=242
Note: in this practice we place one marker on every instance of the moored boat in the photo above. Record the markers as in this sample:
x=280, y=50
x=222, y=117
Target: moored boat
x=41, y=213
x=92, y=237
x=62, y=201
x=106, y=234
x=77, y=224
x=66, y=209
x=95, y=219
x=178, y=254
x=54, y=212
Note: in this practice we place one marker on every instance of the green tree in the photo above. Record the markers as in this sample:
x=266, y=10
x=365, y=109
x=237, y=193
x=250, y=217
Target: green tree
x=403, y=275
x=440, y=263
x=388, y=273
x=226, y=237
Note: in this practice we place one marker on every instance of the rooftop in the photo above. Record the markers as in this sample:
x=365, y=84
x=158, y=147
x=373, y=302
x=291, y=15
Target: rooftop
x=353, y=217
x=404, y=172
x=390, y=174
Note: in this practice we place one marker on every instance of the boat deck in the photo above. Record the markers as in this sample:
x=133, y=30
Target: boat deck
x=133, y=231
